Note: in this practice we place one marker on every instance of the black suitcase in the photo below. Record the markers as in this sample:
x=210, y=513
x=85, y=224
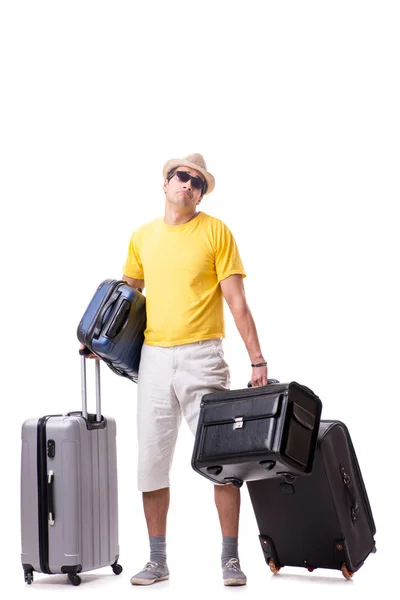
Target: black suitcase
x=323, y=520
x=250, y=434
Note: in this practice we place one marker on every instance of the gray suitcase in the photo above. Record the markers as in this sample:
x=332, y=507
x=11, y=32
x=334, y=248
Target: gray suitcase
x=69, y=499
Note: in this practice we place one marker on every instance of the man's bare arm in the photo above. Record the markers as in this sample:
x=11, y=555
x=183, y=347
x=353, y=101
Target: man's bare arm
x=234, y=294
x=138, y=284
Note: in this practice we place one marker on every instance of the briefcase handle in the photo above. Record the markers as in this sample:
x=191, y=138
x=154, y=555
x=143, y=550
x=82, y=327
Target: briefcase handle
x=276, y=381
x=269, y=381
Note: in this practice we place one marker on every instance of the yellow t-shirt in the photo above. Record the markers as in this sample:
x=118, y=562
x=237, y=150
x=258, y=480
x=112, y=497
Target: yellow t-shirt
x=182, y=266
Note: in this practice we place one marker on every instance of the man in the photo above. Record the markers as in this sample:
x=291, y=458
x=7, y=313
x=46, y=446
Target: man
x=188, y=262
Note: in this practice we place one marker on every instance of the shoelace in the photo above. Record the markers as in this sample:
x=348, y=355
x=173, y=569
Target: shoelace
x=151, y=566
x=233, y=564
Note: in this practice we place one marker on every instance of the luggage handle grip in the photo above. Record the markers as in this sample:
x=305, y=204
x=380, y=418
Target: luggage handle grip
x=50, y=498
x=99, y=321
x=354, y=510
x=83, y=353
x=269, y=381
x=120, y=319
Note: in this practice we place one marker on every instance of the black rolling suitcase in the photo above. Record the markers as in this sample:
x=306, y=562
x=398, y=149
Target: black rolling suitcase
x=323, y=520
x=250, y=434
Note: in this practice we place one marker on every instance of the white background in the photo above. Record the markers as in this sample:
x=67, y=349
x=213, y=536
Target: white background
x=295, y=107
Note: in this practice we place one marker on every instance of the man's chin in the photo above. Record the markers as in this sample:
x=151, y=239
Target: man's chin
x=182, y=200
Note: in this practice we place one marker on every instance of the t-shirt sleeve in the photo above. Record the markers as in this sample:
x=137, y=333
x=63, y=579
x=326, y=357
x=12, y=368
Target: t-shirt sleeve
x=133, y=265
x=227, y=257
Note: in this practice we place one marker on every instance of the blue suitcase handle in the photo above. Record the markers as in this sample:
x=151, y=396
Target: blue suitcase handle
x=120, y=319
x=100, y=318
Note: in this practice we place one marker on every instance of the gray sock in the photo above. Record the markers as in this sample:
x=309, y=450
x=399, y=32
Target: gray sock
x=229, y=549
x=158, y=549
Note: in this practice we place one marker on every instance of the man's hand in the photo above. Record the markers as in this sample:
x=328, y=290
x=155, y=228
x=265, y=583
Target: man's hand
x=259, y=376
x=90, y=354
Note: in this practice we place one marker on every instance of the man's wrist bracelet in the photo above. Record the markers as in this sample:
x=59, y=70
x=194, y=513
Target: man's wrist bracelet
x=261, y=364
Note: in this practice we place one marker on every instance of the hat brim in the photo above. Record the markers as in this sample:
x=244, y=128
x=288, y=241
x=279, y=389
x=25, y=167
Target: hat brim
x=181, y=162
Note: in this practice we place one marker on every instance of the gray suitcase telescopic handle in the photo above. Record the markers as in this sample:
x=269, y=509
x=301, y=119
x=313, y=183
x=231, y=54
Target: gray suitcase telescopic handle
x=84, y=352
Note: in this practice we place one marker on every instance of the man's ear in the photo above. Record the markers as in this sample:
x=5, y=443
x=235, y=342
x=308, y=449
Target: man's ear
x=199, y=200
x=165, y=185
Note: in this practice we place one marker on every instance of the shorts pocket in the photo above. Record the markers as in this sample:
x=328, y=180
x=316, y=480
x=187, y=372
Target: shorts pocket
x=218, y=350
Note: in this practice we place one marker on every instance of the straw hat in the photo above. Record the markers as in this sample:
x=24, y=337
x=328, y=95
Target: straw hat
x=193, y=161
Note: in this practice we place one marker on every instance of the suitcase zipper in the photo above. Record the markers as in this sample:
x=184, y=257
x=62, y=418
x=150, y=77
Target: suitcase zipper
x=43, y=500
x=358, y=474
x=363, y=490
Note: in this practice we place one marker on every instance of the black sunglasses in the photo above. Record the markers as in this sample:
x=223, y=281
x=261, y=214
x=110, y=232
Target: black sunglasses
x=184, y=176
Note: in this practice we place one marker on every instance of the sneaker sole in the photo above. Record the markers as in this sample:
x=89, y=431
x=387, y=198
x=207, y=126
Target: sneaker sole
x=135, y=581
x=235, y=581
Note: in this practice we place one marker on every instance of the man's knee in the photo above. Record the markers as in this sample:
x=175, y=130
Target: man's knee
x=150, y=480
x=156, y=493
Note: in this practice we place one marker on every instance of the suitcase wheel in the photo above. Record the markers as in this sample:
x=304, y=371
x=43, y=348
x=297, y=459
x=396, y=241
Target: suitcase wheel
x=74, y=578
x=346, y=574
x=117, y=569
x=273, y=566
x=28, y=577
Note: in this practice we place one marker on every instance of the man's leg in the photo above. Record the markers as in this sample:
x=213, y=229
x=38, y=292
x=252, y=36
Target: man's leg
x=227, y=500
x=157, y=425
x=156, y=506
x=202, y=370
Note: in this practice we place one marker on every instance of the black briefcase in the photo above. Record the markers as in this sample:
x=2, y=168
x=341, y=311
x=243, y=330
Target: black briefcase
x=323, y=520
x=254, y=433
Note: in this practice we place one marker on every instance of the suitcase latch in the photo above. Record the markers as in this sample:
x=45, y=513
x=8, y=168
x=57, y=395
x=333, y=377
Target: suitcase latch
x=238, y=424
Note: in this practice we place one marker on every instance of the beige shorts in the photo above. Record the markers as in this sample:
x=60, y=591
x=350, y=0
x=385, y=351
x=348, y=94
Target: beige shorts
x=171, y=383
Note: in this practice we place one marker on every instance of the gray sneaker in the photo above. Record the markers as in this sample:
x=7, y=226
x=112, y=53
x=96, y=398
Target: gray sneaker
x=232, y=573
x=151, y=573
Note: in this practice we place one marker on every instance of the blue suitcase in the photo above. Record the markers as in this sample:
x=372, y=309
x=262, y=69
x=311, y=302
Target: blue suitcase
x=113, y=325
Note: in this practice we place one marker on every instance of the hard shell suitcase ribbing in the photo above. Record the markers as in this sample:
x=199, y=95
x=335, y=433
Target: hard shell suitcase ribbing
x=69, y=497
x=256, y=433
x=113, y=325
x=323, y=520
